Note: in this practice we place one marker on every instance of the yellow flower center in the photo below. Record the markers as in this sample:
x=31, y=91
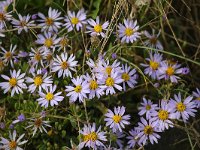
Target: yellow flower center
x=12, y=144
x=38, y=57
x=110, y=81
x=117, y=118
x=49, y=21
x=8, y=55
x=92, y=136
x=78, y=88
x=148, y=130
x=93, y=85
x=38, y=122
x=154, y=65
x=198, y=98
x=23, y=23
x=108, y=70
x=13, y=82
x=129, y=32
x=48, y=42
x=64, y=42
x=2, y=17
x=74, y=20
x=64, y=65
x=170, y=71
x=49, y=96
x=163, y=115
x=49, y=57
x=180, y=107
x=38, y=80
x=125, y=76
x=98, y=28
x=153, y=40
x=148, y=107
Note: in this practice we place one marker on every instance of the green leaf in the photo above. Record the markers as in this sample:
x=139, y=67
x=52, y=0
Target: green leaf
x=96, y=5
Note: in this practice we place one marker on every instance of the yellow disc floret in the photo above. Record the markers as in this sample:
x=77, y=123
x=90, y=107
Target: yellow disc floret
x=49, y=21
x=64, y=65
x=163, y=115
x=13, y=82
x=170, y=71
x=98, y=28
x=12, y=144
x=74, y=20
x=117, y=118
x=125, y=76
x=129, y=31
x=48, y=42
x=93, y=85
x=78, y=88
x=180, y=107
x=49, y=96
x=110, y=81
x=148, y=107
x=154, y=65
x=148, y=130
x=38, y=80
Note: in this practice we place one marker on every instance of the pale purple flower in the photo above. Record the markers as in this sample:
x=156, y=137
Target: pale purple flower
x=185, y=70
x=196, y=94
x=183, y=108
x=129, y=31
x=133, y=138
x=117, y=120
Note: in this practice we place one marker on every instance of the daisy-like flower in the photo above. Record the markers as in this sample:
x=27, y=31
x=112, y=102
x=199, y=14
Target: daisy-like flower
x=15, y=82
x=4, y=4
x=117, y=120
x=147, y=131
x=118, y=138
x=92, y=138
x=39, y=81
x=111, y=82
x=38, y=124
x=36, y=57
x=95, y=28
x=133, y=138
x=147, y=107
x=129, y=31
x=79, y=90
x=75, y=21
x=153, y=41
x=162, y=117
x=129, y=76
x=63, y=43
x=95, y=90
x=4, y=17
x=183, y=108
x=13, y=143
x=50, y=23
x=64, y=64
x=48, y=40
x=9, y=56
x=196, y=94
x=23, y=23
x=95, y=66
x=169, y=71
x=49, y=97
x=154, y=61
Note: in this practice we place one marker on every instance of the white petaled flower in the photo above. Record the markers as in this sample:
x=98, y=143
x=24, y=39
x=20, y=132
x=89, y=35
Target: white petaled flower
x=169, y=71
x=38, y=124
x=15, y=82
x=4, y=17
x=154, y=62
x=129, y=76
x=133, y=138
x=63, y=43
x=92, y=138
x=79, y=90
x=48, y=40
x=23, y=23
x=13, y=143
x=147, y=131
x=39, y=81
x=96, y=67
x=95, y=90
x=50, y=23
x=75, y=21
x=162, y=118
x=64, y=64
x=95, y=28
x=196, y=94
x=152, y=40
x=117, y=120
x=49, y=97
x=129, y=31
x=37, y=57
x=147, y=107
x=5, y=4
x=183, y=108
x=111, y=82
x=9, y=56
